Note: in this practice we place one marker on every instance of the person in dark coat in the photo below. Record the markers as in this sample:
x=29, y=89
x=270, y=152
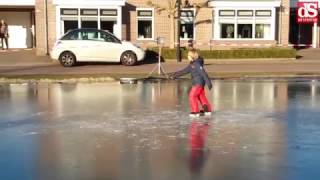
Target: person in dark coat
x=4, y=33
x=200, y=78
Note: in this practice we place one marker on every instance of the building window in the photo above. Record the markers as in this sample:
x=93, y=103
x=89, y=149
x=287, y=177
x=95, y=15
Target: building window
x=263, y=13
x=69, y=12
x=89, y=22
x=227, y=31
x=187, y=24
x=227, y=13
x=107, y=24
x=89, y=12
x=70, y=24
x=263, y=31
x=73, y=18
x=145, y=24
x=244, y=24
x=244, y=31
x=69, y=19
x=245, y=13
x=108, y=12
x=108, y=19
x=89, y=18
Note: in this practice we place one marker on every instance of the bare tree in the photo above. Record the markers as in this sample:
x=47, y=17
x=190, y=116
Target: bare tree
x=171, y=10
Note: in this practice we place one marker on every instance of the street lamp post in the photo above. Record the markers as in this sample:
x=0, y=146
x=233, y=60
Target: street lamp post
x=178, y=30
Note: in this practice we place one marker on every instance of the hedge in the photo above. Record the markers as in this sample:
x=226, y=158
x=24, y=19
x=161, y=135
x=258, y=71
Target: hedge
x=228, y=54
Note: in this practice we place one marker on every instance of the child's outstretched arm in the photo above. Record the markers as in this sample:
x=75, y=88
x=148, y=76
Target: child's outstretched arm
x=182, y=72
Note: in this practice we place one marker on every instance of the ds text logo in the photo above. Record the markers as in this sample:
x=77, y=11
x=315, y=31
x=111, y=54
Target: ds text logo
x=307, y=12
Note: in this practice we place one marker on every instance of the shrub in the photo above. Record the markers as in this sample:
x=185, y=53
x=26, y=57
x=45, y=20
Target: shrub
x=227, y=54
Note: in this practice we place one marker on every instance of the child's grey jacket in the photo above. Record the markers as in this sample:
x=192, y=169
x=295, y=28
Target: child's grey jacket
x=198, y=74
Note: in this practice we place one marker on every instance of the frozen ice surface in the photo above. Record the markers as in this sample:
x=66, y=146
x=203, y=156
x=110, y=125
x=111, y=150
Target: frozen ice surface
x=259, y=130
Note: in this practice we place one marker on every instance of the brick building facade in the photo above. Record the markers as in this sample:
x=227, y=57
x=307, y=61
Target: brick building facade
x=220, y=24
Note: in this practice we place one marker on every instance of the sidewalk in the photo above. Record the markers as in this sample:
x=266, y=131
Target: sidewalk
x=22, y=57
x=309, y=54
x=23, y=63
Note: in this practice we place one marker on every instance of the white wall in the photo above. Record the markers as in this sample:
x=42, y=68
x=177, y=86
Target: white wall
x=90, y=2
x=17, y=2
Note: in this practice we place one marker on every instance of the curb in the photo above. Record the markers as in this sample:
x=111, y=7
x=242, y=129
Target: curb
x=57, y=80
x=247, y=61
x=106, y=79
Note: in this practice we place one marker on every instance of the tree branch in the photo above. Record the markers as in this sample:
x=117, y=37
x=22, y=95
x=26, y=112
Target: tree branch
x=157, y=7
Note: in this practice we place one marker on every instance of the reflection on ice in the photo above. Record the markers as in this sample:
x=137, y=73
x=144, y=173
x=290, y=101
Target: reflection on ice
x=198, y=133
x=259, y=130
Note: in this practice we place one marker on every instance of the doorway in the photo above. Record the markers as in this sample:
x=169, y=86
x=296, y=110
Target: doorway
x=299, y=34
x=20, y=26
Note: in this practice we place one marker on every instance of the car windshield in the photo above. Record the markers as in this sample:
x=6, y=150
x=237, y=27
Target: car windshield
x=108, y=37
x=90, y=34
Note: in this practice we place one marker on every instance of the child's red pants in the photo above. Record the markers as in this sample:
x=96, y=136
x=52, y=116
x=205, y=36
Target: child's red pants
x=197, y=94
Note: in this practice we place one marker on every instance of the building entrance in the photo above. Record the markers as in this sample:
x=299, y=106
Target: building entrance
x=300, y=34
x=21, y=27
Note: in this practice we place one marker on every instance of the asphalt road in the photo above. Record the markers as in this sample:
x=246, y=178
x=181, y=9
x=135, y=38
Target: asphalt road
x=24, y=62
x=235, y=67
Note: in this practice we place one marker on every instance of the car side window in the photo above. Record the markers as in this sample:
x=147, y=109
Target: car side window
x=74, y=35
x=108, y=38
x=91, y=36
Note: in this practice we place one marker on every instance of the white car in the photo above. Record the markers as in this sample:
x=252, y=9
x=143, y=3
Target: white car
x=93, y=45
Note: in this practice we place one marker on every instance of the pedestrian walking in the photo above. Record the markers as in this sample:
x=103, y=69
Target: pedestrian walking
x=4, y=34
x=199, y=78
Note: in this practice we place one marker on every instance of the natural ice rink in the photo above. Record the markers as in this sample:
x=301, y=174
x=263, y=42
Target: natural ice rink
x=261, y=130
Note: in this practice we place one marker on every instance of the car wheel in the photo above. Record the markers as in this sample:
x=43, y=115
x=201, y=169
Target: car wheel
x=67, y=59
x=128, y=58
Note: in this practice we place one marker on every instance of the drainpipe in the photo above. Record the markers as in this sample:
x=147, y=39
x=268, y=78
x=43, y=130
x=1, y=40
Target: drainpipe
x=280, y=26
x=178, y=30
x=47, y=31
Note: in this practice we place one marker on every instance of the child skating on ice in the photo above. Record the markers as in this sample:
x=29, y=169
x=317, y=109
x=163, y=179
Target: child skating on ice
x=199, y=79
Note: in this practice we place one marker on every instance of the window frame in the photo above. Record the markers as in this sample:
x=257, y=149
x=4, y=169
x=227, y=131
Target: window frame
x=245, y=10
x=60, y=18
x=251, y=30
x=152, y=18
x=236, y=20
x=264, y=24
x=83, y=10
x=229, y=10
x=234, y=32
x=70, y=9
x=104, y=9
x=193, y=23
x=256, y=13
